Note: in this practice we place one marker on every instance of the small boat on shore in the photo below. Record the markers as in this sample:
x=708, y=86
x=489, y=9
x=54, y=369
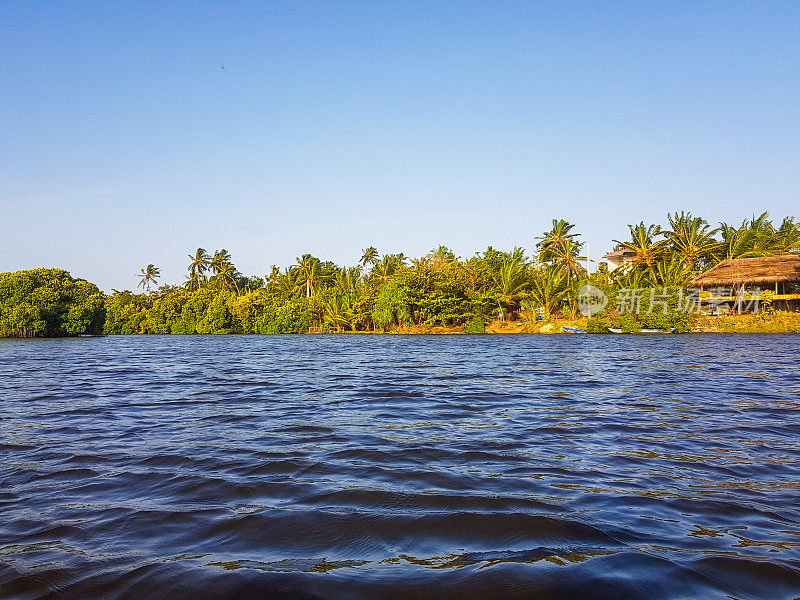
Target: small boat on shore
x=572, y=330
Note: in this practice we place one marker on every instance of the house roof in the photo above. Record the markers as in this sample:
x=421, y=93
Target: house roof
x=621, y=254
x=765, y=269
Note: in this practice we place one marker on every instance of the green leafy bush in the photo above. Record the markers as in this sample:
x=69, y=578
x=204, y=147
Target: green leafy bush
x=475, y=325
x=598, y=324
x=293, y=316
x=656, y=320
x=681, y=322
x=392, y=306
x=629, y=323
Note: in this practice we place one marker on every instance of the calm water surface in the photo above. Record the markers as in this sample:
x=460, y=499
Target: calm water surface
x=409, y=467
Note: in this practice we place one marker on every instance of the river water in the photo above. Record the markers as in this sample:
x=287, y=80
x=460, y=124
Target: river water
x=400, y=467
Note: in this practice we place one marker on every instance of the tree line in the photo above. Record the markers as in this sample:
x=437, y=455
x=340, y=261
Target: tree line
x=384, y=291
x=49, y=303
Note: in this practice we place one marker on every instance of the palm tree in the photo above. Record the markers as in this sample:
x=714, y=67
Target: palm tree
x=398, y=260
x=561, y=248
x=786, y=239
x=672, y=272
x=225, y=274
x=197, y=268
x=148, y=276
x=346, y=281
x=567, y=258
x=441, y=256
x=635, y=278
x=751, y=238
x=337, y=311
x=221, y=257
x=691, y=238
x=389, y=265
x=383, y=270
x=737, y=242
x=274, y=273
x=308, y=270
x=643, y=243
x=511, y=282
x=548, y=288
x=369, y=256
x=288, y=282
x=557, y=237
x=420, y=263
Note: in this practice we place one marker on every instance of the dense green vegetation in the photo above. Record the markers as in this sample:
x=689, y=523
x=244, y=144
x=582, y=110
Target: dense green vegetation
x=389, y=291
x=48, y=302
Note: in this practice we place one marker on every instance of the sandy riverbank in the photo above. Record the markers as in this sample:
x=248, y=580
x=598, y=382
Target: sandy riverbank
x=779, y=322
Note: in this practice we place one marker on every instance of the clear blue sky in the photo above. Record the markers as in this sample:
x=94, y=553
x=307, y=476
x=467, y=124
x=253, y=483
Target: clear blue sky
x=338, y=125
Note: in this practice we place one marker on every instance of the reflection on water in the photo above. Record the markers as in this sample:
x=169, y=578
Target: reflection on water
x=388, y=466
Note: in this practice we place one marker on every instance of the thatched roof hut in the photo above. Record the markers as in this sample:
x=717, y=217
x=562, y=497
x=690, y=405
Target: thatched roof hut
x=743, y=271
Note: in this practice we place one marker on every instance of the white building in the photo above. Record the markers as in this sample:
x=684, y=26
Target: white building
x=619, y=258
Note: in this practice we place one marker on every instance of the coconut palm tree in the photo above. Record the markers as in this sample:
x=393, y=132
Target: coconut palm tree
x=692, y=238
x=274, y=273
x=761, y=224
x=643, y=243
x=420, y=263
x=672, y=272
x=560, y=247
x=197, y=268
x=308, y=271
x=388, y=266
x=226, y=276
x=548, y=288
x=384, y=270
x=511, y=281
x=737, y=242
x=635, y=278
x=288, y=282
x=567, y=258
x=221, y=257
x=553, y=240
x=752, y=238
x=399, y=259
x=148, y=277
x=369, y=256
x=347, y=281
x=441, y=256
x=337, y=310
x=786, y=239
x=225, y=273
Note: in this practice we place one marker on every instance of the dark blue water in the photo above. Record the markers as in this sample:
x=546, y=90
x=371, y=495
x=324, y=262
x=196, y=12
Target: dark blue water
x=408, y=467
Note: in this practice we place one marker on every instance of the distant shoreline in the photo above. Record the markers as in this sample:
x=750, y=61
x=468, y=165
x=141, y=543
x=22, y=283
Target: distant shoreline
x=780, y=322
x=777, y=323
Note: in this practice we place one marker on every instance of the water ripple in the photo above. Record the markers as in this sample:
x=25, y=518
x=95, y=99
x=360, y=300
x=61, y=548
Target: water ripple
x=409, y=467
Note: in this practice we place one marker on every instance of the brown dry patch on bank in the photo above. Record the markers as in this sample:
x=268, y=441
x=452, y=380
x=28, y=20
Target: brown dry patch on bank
x=495, y=327
x=504, y=327
x=545, y=327
x=426, y=330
